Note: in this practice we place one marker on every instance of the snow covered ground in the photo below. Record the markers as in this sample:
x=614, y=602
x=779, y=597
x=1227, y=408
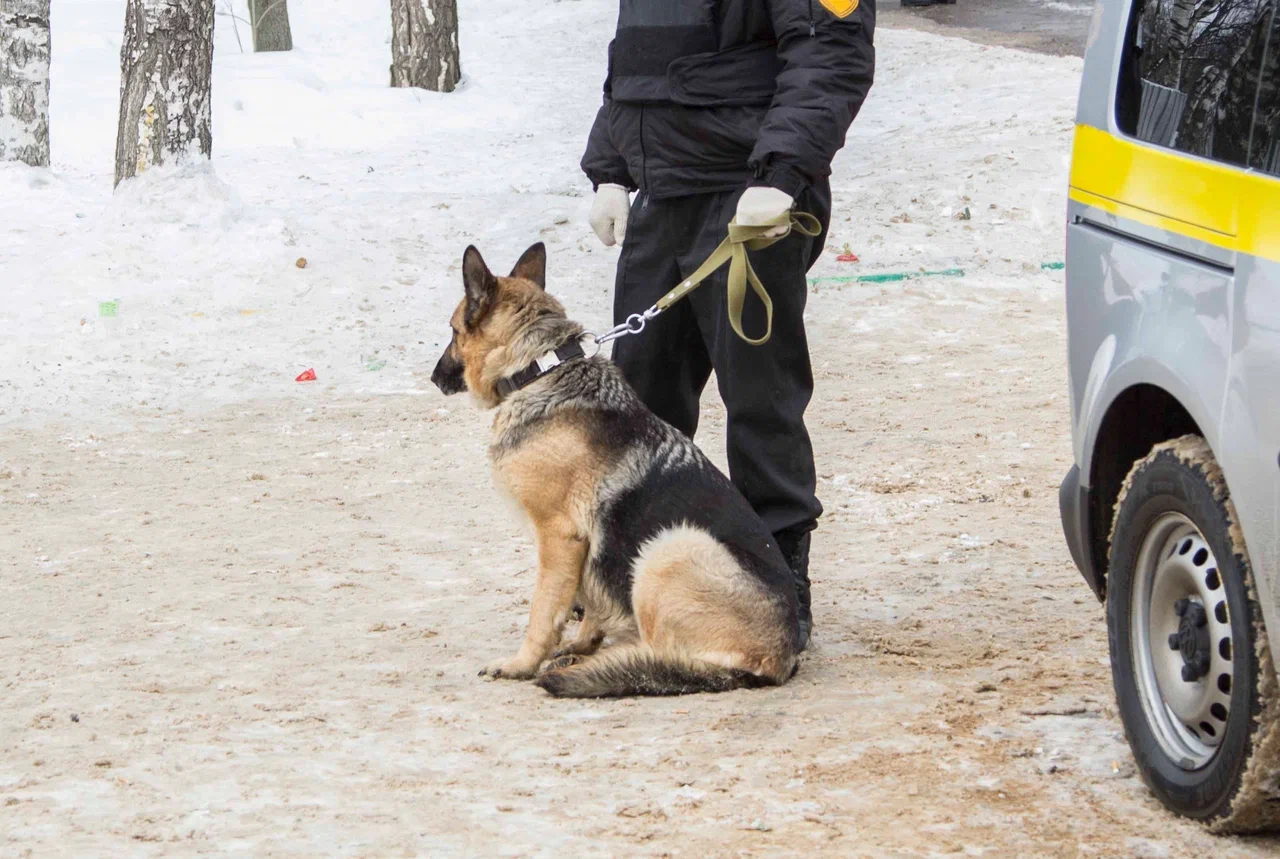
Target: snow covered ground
x=265, y=602
x=380, y=189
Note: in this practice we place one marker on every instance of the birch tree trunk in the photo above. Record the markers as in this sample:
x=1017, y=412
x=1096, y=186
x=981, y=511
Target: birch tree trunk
x=166, y=64
x=424, y=44
x=270, y=22
x=1180, y=35
x=24, y=81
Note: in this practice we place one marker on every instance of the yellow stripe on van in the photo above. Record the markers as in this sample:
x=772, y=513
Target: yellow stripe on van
x=1260, y=216
x=1227, y=207
x=1155, y=180
x=1151, y=219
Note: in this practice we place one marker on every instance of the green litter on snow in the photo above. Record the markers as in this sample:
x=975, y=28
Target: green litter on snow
x=887, y=277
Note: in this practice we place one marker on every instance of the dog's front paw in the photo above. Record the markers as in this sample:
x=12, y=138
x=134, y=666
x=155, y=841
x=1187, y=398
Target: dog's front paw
x=508, y=669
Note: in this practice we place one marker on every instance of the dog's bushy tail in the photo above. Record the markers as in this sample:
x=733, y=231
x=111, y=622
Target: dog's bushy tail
x=638, y=670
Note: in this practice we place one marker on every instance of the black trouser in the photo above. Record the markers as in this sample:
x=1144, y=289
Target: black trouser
x=765, y=388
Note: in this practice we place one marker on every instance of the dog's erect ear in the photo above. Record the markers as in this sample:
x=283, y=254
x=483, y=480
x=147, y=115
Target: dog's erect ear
x=480, y=284
x=533, y=265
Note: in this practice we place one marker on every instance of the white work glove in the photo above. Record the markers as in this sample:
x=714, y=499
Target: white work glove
x=609, y=214
x=761, y=204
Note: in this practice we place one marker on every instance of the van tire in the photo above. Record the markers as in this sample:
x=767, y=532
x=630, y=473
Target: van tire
x=1237, y=787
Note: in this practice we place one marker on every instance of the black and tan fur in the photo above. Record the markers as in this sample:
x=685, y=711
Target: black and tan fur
x=682, y=586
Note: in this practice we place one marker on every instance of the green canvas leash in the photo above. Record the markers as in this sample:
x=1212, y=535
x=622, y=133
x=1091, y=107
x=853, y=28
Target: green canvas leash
x=732, y=250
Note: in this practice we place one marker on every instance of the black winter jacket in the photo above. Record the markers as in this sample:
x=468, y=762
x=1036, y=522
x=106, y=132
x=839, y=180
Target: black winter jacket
x=715, y=95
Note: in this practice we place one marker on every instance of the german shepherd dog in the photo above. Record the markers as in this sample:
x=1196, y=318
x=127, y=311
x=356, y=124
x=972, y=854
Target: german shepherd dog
x=682, y=587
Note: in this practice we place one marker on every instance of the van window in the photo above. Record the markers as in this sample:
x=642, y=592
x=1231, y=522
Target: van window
x=1264, y=152
x=1190, y=72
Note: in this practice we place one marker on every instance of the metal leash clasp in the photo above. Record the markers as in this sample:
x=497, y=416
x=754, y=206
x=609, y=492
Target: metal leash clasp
x=635, y=324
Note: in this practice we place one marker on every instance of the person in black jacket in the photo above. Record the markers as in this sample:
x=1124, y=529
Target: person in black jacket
x=716, y=109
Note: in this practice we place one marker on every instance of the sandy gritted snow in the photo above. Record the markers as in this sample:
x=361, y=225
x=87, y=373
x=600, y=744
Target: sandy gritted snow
x=243, y=616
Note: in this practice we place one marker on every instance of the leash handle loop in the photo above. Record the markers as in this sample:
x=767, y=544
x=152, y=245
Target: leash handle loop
x=732, y=250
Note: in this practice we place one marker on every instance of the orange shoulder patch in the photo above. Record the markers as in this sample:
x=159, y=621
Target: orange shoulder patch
x=840, y=8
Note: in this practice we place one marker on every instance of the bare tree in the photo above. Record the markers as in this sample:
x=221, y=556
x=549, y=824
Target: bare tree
x=166, y=64
x=269, y=20
x=424, y=44
x=1200, y=67
x=24, y=81
x=1181, y=13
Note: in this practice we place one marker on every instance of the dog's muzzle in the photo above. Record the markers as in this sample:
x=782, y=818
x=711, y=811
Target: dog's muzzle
x=447, y=376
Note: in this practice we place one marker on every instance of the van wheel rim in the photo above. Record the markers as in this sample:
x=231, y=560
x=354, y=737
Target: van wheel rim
x=1180, y=627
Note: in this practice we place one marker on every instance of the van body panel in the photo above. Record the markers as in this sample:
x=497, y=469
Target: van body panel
x=1173, y=280
x=1102, y=64
x=1250, y=449
x=1140, y=315
x=1141, y=309
x=1153, y=229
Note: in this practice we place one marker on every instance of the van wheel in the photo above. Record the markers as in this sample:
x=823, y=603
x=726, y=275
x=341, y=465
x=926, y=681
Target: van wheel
x=1194, y=680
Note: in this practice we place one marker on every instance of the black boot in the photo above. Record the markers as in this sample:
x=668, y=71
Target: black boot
x=794, y=544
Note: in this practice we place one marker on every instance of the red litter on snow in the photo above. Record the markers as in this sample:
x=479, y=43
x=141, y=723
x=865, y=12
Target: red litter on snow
x=308, y=376
x=848, y=257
